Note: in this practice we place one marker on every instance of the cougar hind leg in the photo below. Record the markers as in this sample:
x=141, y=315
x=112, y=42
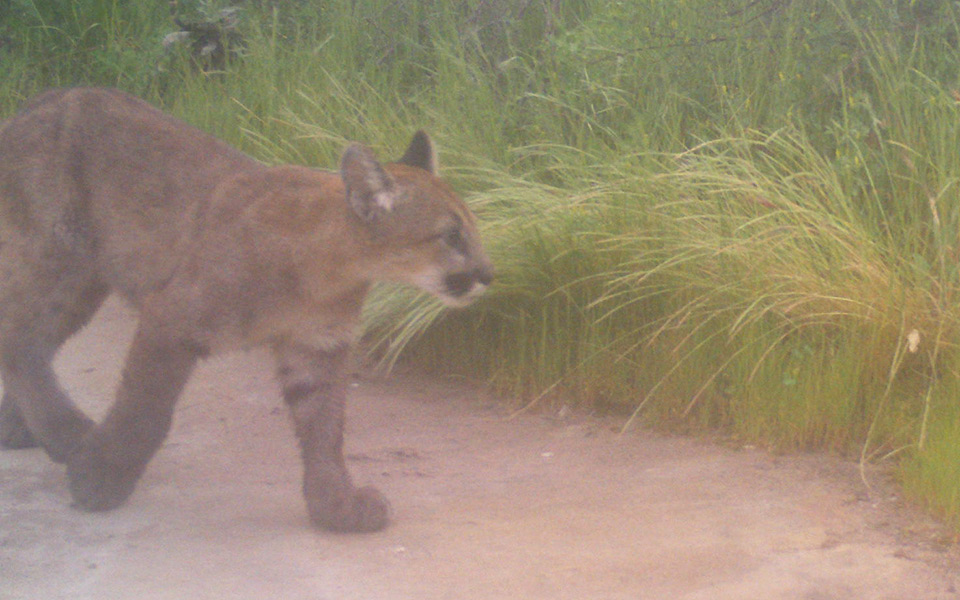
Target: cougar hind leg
x=35, y=319
x=14, y=434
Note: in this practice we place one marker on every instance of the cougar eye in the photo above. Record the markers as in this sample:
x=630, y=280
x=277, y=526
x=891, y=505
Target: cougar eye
x=454, y=239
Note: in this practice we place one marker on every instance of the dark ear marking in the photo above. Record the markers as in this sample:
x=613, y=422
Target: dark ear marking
x=420, y=153
x=370, y=189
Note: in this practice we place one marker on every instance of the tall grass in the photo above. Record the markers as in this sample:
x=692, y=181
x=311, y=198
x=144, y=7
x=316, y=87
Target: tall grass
x=738, y=215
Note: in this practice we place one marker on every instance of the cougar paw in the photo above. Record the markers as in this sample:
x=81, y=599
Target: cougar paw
x=357, y=511
x=96, y=485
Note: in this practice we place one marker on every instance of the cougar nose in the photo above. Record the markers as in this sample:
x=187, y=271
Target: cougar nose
x=485, y=275
x=460, y=284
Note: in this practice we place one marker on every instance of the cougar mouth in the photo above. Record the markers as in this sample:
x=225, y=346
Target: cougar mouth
x=464, y=287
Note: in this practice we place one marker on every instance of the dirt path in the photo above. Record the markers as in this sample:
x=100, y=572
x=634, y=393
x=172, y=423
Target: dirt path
x=485, y=507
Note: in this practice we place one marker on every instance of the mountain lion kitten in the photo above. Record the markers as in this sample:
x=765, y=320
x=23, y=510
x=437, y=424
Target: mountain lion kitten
x=101, y=192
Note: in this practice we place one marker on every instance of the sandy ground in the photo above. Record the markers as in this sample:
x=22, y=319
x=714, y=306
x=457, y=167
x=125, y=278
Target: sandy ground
x=485, y=506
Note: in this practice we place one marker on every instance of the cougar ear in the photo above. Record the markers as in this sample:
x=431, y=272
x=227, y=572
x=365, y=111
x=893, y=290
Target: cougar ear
x=420, y=153
x=370, y=190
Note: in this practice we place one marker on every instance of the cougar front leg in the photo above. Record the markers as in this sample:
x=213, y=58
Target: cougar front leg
x=112, y=456
x=313, y=386
x=34, y=408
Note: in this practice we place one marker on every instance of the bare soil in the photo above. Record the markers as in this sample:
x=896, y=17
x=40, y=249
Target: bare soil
x=485, y=506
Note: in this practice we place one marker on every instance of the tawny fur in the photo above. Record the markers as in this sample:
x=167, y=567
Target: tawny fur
x=100, y=192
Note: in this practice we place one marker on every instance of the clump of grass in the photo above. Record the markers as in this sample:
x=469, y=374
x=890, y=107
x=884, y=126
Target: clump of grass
x=797, y=290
